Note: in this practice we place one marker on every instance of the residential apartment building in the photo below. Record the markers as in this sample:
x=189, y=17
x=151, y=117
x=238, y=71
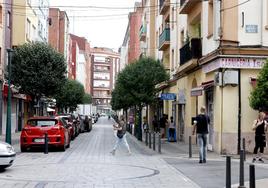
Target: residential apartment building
x=58, y=34
x=134, y=28
x=213, y=51
x=105, y=67
x=79, y=63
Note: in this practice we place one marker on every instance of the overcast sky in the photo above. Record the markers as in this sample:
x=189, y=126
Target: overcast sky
x=102, y=22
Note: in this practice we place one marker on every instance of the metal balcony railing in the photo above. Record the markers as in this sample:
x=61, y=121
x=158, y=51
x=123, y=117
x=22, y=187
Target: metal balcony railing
x=191, y=50
x=164, y=37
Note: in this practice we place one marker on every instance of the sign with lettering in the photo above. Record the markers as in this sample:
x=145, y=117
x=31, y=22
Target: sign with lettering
x=251, y=28
x=168, y=96
x=235, y=63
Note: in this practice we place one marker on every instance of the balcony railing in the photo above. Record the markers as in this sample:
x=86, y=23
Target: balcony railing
x=164, y=6
x=187, y=5
x=191, y=50
x=142, y=33
x=164, y=39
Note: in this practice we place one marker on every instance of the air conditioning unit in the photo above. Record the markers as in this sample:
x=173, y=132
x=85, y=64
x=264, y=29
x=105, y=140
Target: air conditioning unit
x=218, y=78
x=230, y=77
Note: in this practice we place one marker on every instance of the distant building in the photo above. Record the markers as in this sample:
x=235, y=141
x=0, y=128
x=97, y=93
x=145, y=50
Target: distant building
x=79, y=62
x=58, y=30
x=105, y=67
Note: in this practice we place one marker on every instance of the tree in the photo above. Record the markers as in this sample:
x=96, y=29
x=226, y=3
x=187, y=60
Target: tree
x=259, y=96
x=37, y=70
x=87, y=99
x=70, y=95
x=135, y=86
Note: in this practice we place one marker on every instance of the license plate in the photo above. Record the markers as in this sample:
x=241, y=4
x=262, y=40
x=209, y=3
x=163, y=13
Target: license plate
x=39, y=140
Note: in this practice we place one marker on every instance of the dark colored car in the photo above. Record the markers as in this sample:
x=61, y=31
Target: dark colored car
x=85, y=124
x=33, y=133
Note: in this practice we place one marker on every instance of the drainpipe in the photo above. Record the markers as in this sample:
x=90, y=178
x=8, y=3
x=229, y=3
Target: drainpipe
x=239, y=113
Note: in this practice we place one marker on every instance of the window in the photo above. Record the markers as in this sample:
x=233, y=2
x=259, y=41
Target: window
x=8, y=19
x=210, y=18
x=172, y=60
x=1, y=15
x=34, y=33
x=28, y=29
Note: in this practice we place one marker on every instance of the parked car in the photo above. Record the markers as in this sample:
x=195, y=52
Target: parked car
x=83, y=126
x=33, y=133
x=7, y=155
x=71, y=124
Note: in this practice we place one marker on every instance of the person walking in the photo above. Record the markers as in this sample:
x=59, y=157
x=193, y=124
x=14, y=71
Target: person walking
x=259, y=126
x=155, y=124
x=120, y=127
x=171, y=130
x=201, y=124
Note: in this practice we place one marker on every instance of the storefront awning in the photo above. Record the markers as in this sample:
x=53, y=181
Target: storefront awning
x=198, y=91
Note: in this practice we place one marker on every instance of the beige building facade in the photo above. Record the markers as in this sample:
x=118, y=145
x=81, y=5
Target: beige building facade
x=213, y=51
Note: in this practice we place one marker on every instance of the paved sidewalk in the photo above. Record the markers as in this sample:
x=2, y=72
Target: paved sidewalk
x=177, y=155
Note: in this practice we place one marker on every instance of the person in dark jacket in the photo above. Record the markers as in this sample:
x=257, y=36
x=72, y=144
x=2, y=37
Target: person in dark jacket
x=86, y=123
x=260, y=127
x=201, y=128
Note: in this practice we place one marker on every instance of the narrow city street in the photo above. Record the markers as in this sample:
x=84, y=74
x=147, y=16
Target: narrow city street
x=88, y=163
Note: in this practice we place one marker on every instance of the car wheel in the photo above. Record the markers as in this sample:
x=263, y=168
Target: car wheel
x=23, y=149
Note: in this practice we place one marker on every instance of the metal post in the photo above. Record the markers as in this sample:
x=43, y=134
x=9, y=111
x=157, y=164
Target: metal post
x=146, y=138
x=190, y=147
x=159, y=142
x=150, y=140
x=252, y=183
x=46, y=144
x=228, y=172
x=154, y=141
x=8, y=123
x=241, y=172
x=244, y=148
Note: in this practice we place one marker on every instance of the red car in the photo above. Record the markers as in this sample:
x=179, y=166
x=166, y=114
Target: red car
x=71, y=125
x=33, y=133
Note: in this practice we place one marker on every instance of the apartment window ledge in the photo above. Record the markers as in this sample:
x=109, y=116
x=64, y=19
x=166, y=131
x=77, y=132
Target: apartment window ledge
x=209, y=36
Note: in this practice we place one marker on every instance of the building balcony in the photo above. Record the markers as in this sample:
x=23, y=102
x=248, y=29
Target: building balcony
x=102, y=96
x=164, y=39
x=164, y=6
x=187, y=5
x=142, y=33
x=191, y=50
x=101, y=70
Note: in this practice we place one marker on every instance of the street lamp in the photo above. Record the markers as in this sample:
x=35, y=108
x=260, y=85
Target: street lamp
x=8, y=123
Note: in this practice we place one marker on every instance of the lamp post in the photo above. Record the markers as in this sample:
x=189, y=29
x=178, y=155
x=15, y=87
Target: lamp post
x=8, y=123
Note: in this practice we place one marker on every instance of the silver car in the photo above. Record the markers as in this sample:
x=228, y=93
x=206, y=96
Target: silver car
x=7, y=155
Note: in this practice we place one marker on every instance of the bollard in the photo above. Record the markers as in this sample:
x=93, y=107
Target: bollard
x=154, y=141
x=244, y=148
x=46, y=144
x=228, y=172
x=190, y=147
x=241, y=171
x=159, y=142
x=150, y=140
x=252, y=183
x=146, y=138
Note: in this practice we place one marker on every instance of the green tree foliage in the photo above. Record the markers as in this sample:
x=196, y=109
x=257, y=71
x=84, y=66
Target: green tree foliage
x=259, y=96
x=87, y=99
x=37, y=69
x=70, y=95
x=135, y=86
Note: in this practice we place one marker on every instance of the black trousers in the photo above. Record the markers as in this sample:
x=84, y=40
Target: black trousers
x=259, y=143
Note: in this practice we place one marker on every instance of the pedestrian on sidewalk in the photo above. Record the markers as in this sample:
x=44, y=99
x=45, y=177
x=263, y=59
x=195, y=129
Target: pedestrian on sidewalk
x=145, y=125
x=155, y=124
x=171, y=130
x=201, y=124
x=260, y=127
x=120, y=127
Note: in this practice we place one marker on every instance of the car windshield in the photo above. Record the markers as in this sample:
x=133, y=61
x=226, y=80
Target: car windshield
x=42, y=122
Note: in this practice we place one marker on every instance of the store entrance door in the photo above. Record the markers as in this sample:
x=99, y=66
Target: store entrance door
x=210, y=112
